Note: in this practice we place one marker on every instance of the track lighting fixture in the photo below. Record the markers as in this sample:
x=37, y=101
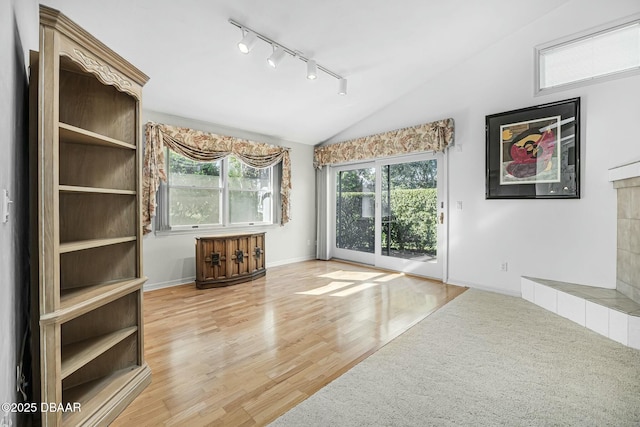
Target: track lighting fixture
x=247, y=42
x=312, y=69
x=276, y=56
x=343, y=87
x=249, y=38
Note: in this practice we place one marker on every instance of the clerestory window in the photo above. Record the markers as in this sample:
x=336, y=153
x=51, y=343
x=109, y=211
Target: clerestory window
x=603, y=53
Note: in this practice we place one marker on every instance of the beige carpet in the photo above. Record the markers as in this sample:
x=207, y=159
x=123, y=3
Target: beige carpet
x=484, y=360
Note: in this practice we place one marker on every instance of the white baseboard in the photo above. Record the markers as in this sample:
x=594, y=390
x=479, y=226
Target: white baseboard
x=290, y=261
x=514, y=293
x=168, y=284
x=184, y=280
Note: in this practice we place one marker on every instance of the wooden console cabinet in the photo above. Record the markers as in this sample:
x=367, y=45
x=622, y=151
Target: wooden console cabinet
x=229, y=259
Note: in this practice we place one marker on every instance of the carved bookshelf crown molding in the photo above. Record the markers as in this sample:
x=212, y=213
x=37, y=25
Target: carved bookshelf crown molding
x=77, y=35
x=102, y=71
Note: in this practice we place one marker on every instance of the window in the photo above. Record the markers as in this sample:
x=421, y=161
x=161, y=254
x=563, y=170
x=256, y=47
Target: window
x=214, y=194
x=603, y=53
x=355, y=209
x=249, y=193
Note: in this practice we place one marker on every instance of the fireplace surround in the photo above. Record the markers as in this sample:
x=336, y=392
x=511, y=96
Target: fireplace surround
x=626, y=180
x=614, y=313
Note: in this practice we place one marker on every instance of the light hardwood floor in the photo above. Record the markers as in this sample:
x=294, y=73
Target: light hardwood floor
x=245, y=354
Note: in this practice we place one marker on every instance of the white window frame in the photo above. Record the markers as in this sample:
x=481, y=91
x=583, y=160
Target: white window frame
x=162, y=223
x=577, y=37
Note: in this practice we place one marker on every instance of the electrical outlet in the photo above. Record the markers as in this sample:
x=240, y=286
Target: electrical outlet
x=504, y=266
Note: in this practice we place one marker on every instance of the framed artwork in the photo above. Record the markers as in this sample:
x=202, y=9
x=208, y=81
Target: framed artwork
x=534, y=153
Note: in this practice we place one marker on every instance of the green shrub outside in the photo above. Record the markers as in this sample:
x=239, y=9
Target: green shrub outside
x=411, y=227
x=352, y=230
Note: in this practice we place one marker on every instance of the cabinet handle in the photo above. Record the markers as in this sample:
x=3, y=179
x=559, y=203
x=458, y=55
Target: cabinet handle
x=239, y=256
x=215, y=258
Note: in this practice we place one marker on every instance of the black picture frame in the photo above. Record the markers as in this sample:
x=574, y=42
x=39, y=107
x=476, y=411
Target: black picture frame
x=534, y=152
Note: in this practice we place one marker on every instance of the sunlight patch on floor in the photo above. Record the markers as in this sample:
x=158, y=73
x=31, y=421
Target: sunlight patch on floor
x=333, y=286
x=389, y=277
x=352, y=275
x=355, y=289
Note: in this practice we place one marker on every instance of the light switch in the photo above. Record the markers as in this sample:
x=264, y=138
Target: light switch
x=5, y=205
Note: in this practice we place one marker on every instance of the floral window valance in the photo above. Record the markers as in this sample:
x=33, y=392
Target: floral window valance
x=434, y=136
x=202, y=146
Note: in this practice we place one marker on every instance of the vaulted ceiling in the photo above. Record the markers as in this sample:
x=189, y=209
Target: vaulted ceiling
x=384, y=48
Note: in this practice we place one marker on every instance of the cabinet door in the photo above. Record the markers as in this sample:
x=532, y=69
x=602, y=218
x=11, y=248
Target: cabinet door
x=238, y=255
x=257, y=254
x=211, y=260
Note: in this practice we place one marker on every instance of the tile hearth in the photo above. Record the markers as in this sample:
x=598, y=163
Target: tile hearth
x=605, y=311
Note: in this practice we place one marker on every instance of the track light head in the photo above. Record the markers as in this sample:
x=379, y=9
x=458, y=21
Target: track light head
x=312, y=69
x=250, y=37
x=246, y=44
x=276, y=56
x=342, y=90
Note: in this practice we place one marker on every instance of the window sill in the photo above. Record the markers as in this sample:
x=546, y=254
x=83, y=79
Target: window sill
x=212, y=231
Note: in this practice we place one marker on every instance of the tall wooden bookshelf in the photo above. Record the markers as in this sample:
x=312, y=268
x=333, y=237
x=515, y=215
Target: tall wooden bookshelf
x=86, y=230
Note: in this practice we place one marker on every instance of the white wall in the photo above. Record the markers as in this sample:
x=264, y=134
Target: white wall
x=567, y=240
x=170, y=259
x=18, y=33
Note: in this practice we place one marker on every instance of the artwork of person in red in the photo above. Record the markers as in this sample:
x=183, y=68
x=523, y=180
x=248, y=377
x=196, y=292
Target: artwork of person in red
x=531, y=152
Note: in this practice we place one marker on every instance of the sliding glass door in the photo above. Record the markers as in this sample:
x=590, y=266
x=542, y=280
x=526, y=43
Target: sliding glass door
x=391, y=213
x=355, y=213
x=411, y=208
